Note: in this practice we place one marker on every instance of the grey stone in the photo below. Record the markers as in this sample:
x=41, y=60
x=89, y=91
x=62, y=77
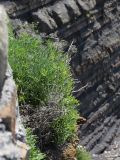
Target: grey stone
x=16, y=8
x=72, y=8
x=87, y=4
x=60, y=14
x=46, y=23
x=118, y=158
x=3, y=45
x=10, y=147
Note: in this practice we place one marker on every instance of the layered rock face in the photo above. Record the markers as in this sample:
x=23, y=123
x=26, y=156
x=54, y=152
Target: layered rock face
x=12, y=135
x=18, y=8
x=92, y=30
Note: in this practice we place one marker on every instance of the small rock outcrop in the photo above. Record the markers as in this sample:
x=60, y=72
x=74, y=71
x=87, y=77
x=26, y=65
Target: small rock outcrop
x=12, y=134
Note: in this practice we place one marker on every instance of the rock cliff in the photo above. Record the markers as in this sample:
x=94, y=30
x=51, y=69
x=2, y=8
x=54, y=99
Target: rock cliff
x=92, y=33
x=12, y=135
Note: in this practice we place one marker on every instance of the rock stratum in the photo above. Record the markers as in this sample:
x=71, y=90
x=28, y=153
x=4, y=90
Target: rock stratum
x=12, y=134
x=91, y=30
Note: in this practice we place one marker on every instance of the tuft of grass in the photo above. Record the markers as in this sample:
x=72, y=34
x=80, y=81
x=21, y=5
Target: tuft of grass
x=35, y=153
x=65, y=128
x=82, y=154
x=43, y=75
x=39, y=70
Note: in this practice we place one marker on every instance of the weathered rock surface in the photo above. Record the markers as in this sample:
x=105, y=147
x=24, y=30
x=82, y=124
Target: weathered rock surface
x=12, y=137
x=17, y=8
x=3, y=45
